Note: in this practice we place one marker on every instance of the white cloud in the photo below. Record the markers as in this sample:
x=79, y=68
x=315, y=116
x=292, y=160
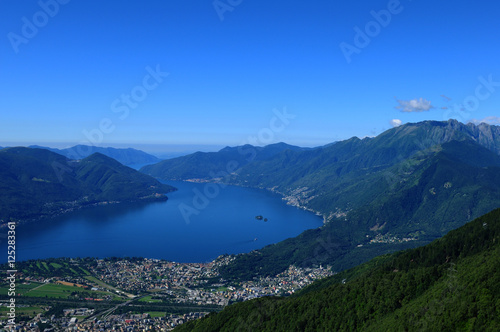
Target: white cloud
x=414, y=105
x=491, y=120
x=396, y=123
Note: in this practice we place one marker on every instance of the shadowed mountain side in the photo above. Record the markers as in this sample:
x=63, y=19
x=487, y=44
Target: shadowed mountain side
x=38, y=182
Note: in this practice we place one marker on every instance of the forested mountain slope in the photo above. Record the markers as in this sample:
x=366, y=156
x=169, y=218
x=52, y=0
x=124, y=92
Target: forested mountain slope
x=38, y=182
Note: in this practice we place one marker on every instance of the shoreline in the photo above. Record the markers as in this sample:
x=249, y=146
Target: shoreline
x=72, y=207
x=292, y=200
x=165, y=198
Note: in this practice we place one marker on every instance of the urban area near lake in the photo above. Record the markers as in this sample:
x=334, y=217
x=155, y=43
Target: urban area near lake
x=135, y=294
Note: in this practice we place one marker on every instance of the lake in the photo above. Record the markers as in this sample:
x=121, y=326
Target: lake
x=186, y=228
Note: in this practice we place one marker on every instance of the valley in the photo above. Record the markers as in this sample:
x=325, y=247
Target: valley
x=401, y=189
x=109, y=288
x=376, y=206
x=229, y=165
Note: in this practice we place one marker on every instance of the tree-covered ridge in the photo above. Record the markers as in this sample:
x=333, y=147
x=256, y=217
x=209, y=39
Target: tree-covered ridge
x=436, y=191
x=37, y=182
x=345, y=165
x=451, y=284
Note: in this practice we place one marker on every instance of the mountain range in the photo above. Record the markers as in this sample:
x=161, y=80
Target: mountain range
x=214, y=165
x=424, y=190
x=127, y=156
x=401, y=189
x=37, y=182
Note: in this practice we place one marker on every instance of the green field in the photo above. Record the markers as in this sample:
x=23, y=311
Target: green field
x=56, y=265
x=55, y=291
x=221, y=289
x=154, y=314
x=28, y=311
x=149, y=299
x=20, y=288
x=52, y=268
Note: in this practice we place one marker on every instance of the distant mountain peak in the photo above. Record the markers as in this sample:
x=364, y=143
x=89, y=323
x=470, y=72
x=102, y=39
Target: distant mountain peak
x=128, y=156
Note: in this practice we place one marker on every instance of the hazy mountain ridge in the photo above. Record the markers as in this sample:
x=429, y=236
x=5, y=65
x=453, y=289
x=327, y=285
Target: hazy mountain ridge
x=127, y=156
x=209, y=165
x=38, y=182
x=450, y=284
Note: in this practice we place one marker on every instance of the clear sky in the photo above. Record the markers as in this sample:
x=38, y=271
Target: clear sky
x=238, y=71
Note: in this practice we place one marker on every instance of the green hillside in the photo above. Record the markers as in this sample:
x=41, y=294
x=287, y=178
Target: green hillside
x=445, y=187
x=36, y=183
x=348, y=164
x=451, y=284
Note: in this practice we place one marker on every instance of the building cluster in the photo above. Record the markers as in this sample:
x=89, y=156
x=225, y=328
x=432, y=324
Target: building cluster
x=143, y=282
x=387, y=238
x=185, y=282
x=136, y=322
x=124, y=323
x=151, y=274
x=285, y=283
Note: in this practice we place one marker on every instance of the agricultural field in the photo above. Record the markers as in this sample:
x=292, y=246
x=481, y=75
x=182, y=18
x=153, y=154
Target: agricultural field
x=52, y=268
x=149, y=299
x=55, y=291
x=21, y=311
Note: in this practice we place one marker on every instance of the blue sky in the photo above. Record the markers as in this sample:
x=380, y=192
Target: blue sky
x=114, y=73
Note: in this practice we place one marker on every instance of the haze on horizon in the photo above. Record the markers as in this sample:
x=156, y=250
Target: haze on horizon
x=224, y=73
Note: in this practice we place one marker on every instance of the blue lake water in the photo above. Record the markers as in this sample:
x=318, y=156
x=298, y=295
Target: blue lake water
x=224, y=223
